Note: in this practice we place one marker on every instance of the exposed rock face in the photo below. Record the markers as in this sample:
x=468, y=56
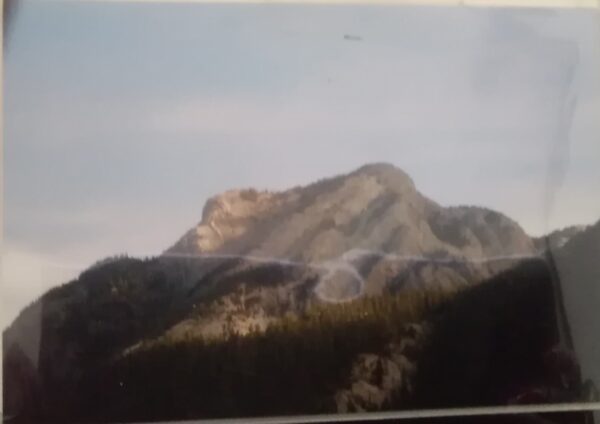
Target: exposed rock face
x=376, y=208
x=226, y=217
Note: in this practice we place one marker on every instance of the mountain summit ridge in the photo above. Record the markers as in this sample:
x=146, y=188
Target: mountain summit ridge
x=375, y=207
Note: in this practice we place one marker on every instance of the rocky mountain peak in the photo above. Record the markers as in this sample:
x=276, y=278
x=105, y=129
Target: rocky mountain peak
x=388, y=175
x=375, y=208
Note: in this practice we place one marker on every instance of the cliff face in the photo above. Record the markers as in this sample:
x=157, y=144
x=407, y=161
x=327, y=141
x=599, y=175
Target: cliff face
x=226, y=217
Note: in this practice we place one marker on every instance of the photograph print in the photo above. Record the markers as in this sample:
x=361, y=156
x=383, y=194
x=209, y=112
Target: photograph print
x=280, y=210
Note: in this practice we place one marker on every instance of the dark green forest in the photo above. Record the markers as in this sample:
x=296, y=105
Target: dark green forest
x=294, y=367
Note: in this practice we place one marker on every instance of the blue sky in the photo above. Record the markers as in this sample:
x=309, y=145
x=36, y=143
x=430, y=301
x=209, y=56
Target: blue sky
x=122, y=118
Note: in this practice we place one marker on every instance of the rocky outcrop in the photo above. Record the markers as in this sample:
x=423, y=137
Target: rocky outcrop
x=378, y=380
x=226, y=217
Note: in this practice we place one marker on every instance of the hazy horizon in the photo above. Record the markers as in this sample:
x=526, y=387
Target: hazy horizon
x=122, y=119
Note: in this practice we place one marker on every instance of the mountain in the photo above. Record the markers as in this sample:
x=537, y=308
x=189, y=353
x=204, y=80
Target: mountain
x=558, y=238
x=318, y=274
